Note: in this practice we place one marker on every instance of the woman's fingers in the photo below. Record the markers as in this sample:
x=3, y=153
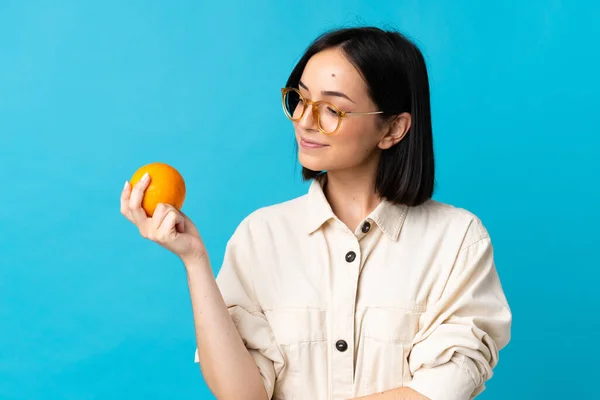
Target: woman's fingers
x=180, y=224
x=167, y=230
x=135, y=202
x=125, y=193
x=165, y=223
x=159, y=215
x=167, y=226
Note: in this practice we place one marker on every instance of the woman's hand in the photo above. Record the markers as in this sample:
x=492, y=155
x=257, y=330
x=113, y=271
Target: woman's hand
x=167, y=226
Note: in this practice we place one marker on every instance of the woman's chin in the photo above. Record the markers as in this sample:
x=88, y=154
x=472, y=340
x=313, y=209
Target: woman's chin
x=311, y=163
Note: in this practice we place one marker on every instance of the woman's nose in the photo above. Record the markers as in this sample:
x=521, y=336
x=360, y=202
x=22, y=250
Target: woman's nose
x=308, y=120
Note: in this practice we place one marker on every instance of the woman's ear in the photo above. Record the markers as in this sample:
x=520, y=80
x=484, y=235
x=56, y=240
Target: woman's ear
x=396, y=131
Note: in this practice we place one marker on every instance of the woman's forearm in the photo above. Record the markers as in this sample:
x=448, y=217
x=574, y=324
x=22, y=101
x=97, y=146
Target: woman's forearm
x=228, y=368
x=402, y=393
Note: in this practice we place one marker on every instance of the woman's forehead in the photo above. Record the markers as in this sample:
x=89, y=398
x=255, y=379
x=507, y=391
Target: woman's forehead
x=330, y=70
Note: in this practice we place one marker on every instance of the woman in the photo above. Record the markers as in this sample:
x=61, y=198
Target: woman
x=364, y=286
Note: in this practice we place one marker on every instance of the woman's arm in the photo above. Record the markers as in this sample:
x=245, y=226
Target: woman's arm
x=460, y=336
x=231, y=370
x=403, y=393
x=227, y=366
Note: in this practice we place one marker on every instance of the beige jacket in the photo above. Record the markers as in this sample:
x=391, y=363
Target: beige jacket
x=411, y=298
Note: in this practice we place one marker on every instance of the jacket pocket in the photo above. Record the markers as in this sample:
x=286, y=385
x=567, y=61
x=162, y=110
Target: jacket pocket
x=386, y=338
x=301, y=335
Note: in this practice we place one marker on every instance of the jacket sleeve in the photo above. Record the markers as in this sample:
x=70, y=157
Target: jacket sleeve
x=459, y=338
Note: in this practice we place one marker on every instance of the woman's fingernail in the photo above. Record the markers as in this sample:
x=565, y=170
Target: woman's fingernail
x=145, y=177
x=124, y=186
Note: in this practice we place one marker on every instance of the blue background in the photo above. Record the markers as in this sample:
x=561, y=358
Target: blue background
x=90, y=91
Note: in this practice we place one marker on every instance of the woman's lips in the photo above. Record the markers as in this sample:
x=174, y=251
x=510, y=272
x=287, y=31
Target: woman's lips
x=311, y=144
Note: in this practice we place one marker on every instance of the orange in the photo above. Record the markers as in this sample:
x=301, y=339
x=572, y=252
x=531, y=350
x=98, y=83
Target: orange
x=166, y=186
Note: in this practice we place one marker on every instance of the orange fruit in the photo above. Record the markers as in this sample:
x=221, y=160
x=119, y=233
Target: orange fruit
x=166, y=186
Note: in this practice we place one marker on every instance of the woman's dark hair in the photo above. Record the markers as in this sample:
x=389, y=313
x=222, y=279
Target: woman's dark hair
x=396, y=76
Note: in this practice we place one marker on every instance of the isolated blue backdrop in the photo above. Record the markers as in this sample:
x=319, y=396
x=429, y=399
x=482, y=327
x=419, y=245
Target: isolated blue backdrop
x=89, y=91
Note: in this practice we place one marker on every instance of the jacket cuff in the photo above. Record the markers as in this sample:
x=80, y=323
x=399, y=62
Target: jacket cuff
x=449, y=381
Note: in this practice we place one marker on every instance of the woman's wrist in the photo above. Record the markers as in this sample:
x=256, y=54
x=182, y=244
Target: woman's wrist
x=195, y=262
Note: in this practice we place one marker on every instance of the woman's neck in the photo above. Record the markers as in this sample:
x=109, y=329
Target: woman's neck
x=351, y=194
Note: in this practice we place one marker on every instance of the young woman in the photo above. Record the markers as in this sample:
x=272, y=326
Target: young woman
x=363, y=287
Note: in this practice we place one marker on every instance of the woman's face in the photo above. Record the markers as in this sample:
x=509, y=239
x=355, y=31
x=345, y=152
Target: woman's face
x=329, y=76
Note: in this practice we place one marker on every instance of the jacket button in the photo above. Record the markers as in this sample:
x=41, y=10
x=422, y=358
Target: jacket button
x=350, y=256
x=366, y=227
x=341, y=345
